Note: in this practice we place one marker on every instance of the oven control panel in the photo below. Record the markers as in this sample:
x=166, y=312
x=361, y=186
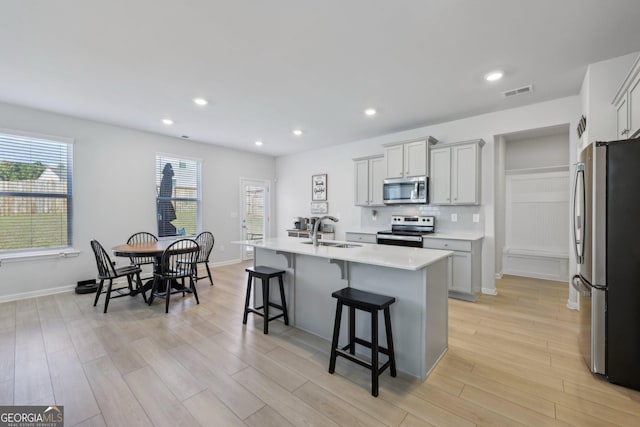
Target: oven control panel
x=413, y=220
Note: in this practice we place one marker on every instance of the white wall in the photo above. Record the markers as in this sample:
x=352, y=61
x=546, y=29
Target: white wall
x=294, y=171
x=114, y=192
x=499, y=202
x=543, y=151
x=602, y=81
x=536, y=226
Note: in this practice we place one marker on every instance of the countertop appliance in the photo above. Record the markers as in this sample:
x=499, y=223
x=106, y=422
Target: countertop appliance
x=606, y=206
x=412, y=190
x=300, y=223
x=407, y=231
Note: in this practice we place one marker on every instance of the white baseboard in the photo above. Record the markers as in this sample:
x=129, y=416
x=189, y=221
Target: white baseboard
x=537, y=275
x=571, y=305
x=69, y=288
x=489, y=291
x=34, y=294
x=222, y=263
x=537, y=266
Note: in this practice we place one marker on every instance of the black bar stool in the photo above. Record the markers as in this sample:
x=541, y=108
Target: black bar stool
x=265, y=273
x=370, y=302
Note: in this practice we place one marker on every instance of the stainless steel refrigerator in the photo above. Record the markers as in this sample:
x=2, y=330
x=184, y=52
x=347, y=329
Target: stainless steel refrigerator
x=606, y=207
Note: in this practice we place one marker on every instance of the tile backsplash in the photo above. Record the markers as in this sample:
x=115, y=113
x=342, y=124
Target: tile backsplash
x=444, y=224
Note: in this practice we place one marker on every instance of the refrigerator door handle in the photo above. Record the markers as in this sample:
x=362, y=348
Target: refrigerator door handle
x=580, y=286
x=578, y=245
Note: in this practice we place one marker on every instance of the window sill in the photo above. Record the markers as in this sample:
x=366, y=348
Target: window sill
x=38, y=255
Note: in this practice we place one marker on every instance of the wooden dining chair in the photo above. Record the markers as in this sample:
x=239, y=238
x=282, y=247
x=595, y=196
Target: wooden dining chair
x=108, y=271
x=178, y=262
x=138, y=238
x=205, y=241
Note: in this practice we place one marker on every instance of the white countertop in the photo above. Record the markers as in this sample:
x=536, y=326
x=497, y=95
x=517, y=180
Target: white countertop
x=456, y=236
x=383, y=255
x=365, y=231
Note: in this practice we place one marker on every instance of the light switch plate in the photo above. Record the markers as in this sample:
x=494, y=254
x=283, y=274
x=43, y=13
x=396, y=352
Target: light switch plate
x=476, y=217
x=454, y=217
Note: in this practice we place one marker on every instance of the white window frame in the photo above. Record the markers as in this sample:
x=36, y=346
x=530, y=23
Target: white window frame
x=198, y=198
x=55, y=252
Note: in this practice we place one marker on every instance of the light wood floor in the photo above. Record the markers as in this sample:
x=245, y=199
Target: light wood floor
x=512, y=360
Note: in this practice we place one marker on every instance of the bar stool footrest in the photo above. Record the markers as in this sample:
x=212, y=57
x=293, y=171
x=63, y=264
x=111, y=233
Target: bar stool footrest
x=276, y=317
x=367, y=344
x=363, y=362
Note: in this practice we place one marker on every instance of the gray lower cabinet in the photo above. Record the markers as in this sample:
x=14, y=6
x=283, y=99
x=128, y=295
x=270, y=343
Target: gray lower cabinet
x=466, y=277
x=351, y=236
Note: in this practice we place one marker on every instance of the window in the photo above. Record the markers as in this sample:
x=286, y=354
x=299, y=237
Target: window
x=178, y=196
x=35, y=193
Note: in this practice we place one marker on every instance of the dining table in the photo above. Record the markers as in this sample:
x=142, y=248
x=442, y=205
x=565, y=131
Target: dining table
x=155, y=249
x=152, y=249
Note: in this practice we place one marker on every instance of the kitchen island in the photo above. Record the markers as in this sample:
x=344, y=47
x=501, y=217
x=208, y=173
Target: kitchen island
x=418, y=279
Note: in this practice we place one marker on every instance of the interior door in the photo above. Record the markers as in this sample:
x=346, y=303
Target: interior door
x=254, y=220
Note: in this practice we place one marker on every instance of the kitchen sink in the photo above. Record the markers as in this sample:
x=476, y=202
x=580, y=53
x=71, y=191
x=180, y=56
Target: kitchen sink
x=333, y=244
x=345, y=245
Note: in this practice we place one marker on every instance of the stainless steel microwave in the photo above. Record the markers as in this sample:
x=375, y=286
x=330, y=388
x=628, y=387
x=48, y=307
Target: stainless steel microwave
x=397, y=191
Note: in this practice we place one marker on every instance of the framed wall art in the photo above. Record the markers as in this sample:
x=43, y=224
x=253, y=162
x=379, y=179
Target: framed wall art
x=319, y=207
x=319, y=187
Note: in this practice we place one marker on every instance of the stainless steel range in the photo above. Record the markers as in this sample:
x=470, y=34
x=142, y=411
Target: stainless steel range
x=407, y=231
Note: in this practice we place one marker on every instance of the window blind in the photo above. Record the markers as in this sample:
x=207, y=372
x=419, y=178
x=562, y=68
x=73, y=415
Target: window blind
x=35, y=193
x=254, y=205
x=178, y=196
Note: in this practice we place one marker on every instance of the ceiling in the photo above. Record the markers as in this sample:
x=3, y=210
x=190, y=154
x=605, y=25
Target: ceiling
x=267, y=67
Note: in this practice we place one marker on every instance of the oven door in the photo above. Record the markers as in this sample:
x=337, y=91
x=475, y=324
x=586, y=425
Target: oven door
x=399, y=240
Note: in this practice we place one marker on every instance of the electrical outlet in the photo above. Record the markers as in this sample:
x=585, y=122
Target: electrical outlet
x=476, y=217
x=454, y=217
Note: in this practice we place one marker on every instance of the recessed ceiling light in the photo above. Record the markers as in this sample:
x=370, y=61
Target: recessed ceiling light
x=167, y=121
x=370, y=111
x=200, y=101
x=297, y=132
x=493, y=76
x=258, y=143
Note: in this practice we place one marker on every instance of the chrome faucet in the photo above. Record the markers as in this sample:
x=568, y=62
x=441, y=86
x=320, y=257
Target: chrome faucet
x=314, y=232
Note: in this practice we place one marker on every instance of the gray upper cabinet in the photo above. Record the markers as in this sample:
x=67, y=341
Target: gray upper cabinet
x=408, y=158
x=369, y=174
x=627, y=103
x=455, y=173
